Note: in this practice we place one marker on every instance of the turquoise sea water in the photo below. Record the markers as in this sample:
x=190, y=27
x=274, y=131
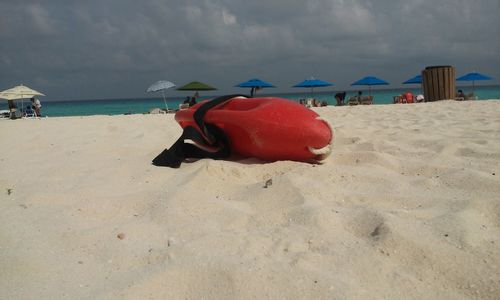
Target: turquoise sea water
x=143, y=105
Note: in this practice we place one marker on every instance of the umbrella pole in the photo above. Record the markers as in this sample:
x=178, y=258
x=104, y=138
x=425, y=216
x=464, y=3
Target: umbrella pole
x=369, y=90
x=164, y=99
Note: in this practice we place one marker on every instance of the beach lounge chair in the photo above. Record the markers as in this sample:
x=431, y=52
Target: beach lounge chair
x=5, y=113
x=312, y=102
x=470, y=96
x=29, y=113
x=352, y=101
x=184, y=106
x=366, y=100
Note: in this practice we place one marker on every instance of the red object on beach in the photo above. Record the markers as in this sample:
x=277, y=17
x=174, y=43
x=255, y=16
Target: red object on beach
x=409, y=97
x=267, y=128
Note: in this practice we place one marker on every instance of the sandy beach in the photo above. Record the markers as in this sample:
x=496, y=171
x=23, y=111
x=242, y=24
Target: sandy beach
x=407, y=206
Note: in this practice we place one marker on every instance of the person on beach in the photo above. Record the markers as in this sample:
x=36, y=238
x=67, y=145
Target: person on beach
x=192, y=101
x=12, y=109
x=36, y=105
x=253, y=91
x=359, y=95
x=340, y=97
x=186, y=103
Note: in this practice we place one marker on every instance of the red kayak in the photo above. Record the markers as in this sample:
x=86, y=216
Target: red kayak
x=267, y=128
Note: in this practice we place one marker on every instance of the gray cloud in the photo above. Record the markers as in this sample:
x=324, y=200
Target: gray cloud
x=106, y=49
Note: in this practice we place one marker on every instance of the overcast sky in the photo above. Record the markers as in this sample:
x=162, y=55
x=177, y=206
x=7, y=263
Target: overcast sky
x=116, y=48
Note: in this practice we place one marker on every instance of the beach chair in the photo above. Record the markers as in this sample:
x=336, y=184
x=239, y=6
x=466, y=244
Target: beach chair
x=470, y=96
x=29, y=113
x=184, y=106
x=366, y=100
x=352, y=101
x=312, y=102
x=5, y=113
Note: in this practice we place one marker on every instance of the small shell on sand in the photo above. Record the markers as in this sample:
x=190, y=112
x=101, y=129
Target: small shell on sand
x=121, y=236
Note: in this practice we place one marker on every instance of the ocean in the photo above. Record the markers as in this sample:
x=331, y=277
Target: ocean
x=143, y=105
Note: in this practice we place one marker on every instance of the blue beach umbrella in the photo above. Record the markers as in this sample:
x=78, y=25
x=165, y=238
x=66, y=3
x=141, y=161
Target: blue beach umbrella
x=254, y=83
x=312, y=83
x=413, y=80
x=369, y=81
x=473, y=77
x=162, y=86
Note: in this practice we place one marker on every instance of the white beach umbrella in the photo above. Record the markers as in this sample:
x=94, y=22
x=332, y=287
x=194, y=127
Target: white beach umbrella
x=7, y=96
x=19, y=92
x=161, y=85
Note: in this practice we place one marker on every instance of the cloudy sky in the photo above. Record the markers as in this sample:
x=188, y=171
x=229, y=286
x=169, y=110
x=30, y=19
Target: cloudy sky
x=116, y=48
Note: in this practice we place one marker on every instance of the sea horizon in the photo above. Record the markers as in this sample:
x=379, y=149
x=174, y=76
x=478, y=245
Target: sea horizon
x=264, y=92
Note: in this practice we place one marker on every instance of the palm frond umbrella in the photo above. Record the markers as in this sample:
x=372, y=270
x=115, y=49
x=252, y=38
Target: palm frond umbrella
x=20, y=92
x=312, y=83
x=254, y=83
x=369, y=81
x=473, y=77
x=162, y=86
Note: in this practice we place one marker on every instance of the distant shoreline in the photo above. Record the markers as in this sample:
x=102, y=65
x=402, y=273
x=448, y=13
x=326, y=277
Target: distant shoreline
x=144, y=105
x=318, y=91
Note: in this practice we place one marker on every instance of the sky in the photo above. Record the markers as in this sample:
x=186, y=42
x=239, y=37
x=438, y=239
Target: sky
x=100, y=49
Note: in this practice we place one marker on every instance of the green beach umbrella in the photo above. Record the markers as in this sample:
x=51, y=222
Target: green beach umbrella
x=196, y=86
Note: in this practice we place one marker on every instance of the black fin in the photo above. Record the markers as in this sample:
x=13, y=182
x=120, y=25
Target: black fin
x=212, y=136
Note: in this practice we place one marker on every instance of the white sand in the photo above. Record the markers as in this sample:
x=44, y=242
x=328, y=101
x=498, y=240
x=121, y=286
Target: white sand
x=406, y=207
